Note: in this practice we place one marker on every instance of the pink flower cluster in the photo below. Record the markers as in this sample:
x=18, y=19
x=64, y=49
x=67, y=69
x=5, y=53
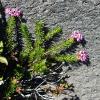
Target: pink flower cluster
x=82, y=56
x=77, y=35
x=13, y=12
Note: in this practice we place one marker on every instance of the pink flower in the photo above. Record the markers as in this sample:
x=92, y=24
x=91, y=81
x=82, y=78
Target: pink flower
x=8, y=10
x=82, y=56
x=13, y=11
x=77, y=36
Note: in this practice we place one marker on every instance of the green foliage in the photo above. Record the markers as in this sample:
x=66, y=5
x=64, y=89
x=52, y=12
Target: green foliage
x=53, y=32
x=55, y=49
x=70, y=58
x=38, y=57
x=32, y=56
x=27, y=44
x=37, y=54
x=13, y=81
x=10, y=33
x=39, y=66
x=18, y=72
x=10, y=89
x=39, y=34
x=1, y=46
x=2, y=59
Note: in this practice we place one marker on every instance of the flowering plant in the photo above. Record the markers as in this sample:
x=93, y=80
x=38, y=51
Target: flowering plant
x=13, y=12
x=82, y=56
x=33, y=57
x=77, y=35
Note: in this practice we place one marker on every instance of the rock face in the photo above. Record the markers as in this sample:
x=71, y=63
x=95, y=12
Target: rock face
x=83, y=15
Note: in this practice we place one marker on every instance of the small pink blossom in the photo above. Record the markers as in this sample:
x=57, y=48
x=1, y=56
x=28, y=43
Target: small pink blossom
x=82, y=56
x=13, y=11
x=77, y=35
x=8, y=10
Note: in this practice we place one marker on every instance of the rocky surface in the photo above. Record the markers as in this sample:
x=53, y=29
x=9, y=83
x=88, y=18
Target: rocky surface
x=83, y=15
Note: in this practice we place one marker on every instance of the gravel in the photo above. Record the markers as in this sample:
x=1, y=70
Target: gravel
x=83, y=15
